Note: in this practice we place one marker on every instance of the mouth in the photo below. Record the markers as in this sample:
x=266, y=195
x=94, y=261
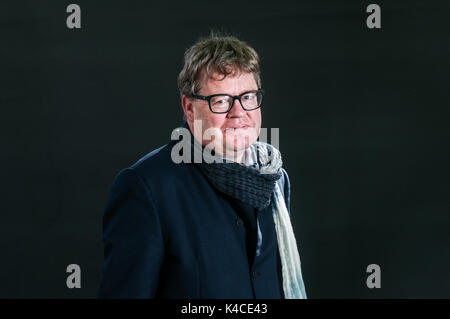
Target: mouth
x=236, y=128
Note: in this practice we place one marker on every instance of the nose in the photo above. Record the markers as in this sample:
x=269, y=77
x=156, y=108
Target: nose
x=236, y=110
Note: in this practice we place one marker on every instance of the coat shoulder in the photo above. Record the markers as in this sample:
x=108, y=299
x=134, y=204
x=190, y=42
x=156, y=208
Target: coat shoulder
x=158, y=164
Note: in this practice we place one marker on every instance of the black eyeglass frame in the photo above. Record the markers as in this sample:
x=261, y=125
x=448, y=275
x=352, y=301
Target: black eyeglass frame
x=234, y=97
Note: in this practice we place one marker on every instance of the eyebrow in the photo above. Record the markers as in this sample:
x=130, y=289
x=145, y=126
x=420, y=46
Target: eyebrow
x=245, y=91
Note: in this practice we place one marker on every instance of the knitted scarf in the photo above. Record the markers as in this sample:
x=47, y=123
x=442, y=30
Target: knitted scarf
x=254, y=182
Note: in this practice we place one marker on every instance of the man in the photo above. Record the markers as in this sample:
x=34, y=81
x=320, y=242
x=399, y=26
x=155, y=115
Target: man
x=218, y=227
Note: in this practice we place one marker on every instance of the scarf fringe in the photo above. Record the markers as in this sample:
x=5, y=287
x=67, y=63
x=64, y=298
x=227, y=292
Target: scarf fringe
x=293, y=285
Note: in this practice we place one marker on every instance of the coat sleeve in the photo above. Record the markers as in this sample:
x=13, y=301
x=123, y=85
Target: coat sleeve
x=132, y=239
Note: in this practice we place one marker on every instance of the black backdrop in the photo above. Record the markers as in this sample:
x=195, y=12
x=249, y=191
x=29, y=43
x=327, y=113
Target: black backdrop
x=363, y=117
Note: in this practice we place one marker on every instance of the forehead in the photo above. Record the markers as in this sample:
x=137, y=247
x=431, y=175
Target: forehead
x=234, y=83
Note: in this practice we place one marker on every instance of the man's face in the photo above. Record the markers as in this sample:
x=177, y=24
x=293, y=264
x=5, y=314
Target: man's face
x=233, y=131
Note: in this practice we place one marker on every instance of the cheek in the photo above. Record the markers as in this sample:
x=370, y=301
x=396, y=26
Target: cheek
x=211, y=120
x=257, y=123
x=256, y=118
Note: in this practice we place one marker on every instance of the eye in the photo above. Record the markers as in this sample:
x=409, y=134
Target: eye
x=220, y=100
x=249, y=96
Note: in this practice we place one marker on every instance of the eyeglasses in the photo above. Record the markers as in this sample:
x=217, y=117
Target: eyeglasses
x=222, y=103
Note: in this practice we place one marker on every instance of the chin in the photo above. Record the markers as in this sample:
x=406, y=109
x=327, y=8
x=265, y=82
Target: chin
x=241, y=140
x=238, y=145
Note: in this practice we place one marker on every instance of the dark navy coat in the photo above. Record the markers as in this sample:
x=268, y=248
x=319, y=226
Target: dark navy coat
x=168, y=233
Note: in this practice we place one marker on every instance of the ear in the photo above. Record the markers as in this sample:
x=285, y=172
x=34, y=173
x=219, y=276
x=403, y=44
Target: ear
x=188, y=108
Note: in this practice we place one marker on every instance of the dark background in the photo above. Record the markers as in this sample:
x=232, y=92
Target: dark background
x=363, y=117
